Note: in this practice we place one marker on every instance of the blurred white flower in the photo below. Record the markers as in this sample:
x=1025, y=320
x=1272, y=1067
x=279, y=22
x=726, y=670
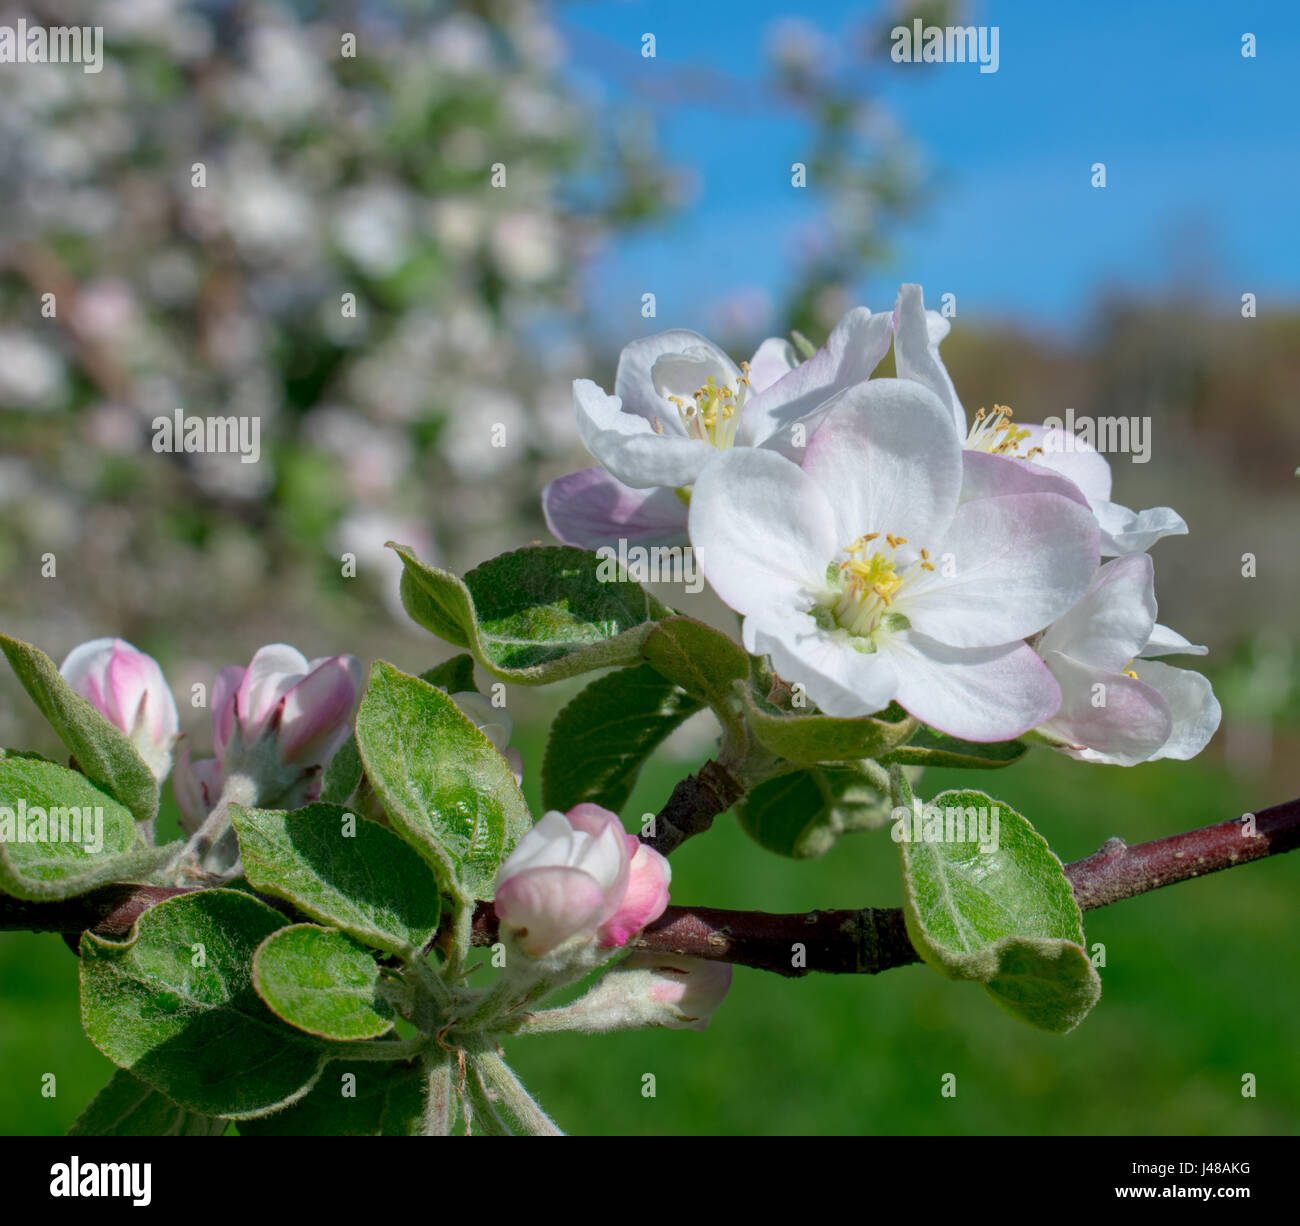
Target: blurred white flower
x=526, y=245
x=373, y=226
x=31, y=374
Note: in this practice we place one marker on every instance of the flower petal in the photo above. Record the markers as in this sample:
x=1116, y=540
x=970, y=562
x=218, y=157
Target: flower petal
x=774, y=358
x=852, y=351
x=1005, y=568
x=1130, y=728
x=1196, y=711
x=628, y=445
x=886, y=460
x=634, y=382
x=917, y=333
x=841, y=680
x=1113, y=620
x=762, y=530
x=980, y=694
x=985, y=475
x=550, y=905
x=1072, y=457
x=1124, y=531
x=591, y=508
x=1166, y=642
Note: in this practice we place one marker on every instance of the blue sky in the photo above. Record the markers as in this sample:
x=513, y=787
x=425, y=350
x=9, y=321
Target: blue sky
x=1202, y=149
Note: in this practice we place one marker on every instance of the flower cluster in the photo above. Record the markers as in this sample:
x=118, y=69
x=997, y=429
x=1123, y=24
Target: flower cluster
x=882, y=549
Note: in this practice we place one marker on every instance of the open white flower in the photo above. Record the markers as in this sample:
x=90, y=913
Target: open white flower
x=678, y=401
x=916, y=354
x=867, y=579
x=1117, y=704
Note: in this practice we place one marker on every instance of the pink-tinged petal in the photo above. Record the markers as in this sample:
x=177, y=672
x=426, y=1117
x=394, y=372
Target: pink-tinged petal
x=1124, y=531
x=982, y=694
x=313, y=720
x=1113, y=620
x=1195, y=710
x=270, y=675
x=1006, y=568
x=985, y=475
x=591, y=508
x=1131, y=726
x=840, y=680
x=774, y=359
x=197, y=787
x=916, y=353
x=551, y=843
x=548, y=906
x=1071, y=457
x=887, y=461
x=852, y=351
x=1166, y=642
x=629, y=446
x=693, y=987
x=229, y=679
x=634, y=382
x=646, y=896
x=85, y=661
x=763, y=531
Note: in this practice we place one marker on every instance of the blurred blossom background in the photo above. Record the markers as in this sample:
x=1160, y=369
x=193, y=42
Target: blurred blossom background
x=201, y=207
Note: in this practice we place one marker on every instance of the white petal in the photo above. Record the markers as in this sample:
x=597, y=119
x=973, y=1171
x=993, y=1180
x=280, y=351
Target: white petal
x=1196, y=711
x=763, y=532
x=1006, y=568
x=1166, y=642
x=985, y=475
x=1130, y=728
x=1074, y=459
x=976, y=693
x=887, y=462
x=628, y=446
x=634, y=381
x=550, y=842
x=916, y=352
x=1124, y=531
x=852, y=351
x=1113, y=621
x=591, y=508
x=774, y=358
x=841, y=680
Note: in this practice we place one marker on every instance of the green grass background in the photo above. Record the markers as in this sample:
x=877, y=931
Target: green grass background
x=1202, y=986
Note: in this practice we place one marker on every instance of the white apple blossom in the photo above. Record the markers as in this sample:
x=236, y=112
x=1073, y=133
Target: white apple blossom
x=867, y=580
x=916, y=354
x=678, y=401
x=1118, y=705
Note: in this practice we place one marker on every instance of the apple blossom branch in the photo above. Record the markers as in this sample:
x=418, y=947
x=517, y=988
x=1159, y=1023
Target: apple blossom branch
x=864, y=941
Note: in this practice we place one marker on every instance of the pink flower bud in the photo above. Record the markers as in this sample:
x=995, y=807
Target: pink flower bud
x=197, y=787
x=649, y=876
x=690, y=988
x=567, y=877
x=303, y=706
x=128, y=688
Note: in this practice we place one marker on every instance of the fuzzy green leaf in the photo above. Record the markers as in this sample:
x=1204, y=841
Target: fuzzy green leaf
x=129, y=1107
x=535, y=615
x=175, y=1005
x=351, y=1099
x=445, y=788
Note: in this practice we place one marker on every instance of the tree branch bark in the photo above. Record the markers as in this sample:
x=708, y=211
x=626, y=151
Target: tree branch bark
x=864, y=941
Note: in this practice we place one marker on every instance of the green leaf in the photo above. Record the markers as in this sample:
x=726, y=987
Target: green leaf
x=601, y=739
x=351, y=1099
x=445, y=788
x=175, y=1005
x=1004, y=916
x=700, y=659
x=36, y=866
x=803, y=814
x=812, y=738
x=533, y=616
x=342, y=774
x=931, y=748
x=455, y=675
x=129, y=1107
x=321, y=981
x=102, y=751
x=343, y=871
